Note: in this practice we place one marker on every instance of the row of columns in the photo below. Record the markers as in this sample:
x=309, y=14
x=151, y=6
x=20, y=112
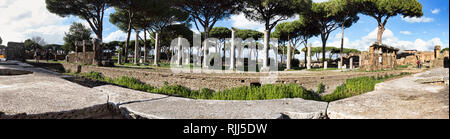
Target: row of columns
x=233, y=55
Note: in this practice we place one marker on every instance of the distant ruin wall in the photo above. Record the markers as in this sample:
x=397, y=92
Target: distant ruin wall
x=371, y=61
x=15, y=51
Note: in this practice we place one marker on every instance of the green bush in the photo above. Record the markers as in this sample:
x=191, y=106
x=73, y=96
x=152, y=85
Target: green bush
x=95, y=76
x=357, y=86
x=265, y=92
x=132, y=83
x=175, y=90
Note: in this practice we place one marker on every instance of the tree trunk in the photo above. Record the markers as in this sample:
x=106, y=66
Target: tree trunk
x=127, y=43
x=282, y=57
x=306, y=52
x=380, y=34
x=324, y=45
x=342, y=46
x=266, y=60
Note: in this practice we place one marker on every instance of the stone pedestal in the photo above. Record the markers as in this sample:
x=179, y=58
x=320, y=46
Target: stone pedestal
x=325, y=65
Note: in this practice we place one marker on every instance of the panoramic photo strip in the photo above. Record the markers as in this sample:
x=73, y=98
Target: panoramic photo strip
x=229, y=60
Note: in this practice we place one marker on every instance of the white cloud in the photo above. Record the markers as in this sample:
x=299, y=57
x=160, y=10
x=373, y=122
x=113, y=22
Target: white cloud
x=435, y=11
x=115, y=36
x=22, y=19
x=405, y=32
x=241, y=22
x=121, y=36
x=417, y=19
x=388, y=38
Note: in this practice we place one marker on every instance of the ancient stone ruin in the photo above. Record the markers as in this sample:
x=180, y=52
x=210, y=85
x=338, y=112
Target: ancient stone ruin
x=90, y=53
x=427, y=59
x=14, y=51
x=379, y=57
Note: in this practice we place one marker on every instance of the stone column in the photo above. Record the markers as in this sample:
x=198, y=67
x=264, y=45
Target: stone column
x=205, y=54
x=289, y=56
x=84, y=46
x=308, y=63
x=265, y=66
x=180, y=53
x=94, y=49
x=118, y=58
x=339, y=65
x=157, y=50
x=325, y=66
x=136, y=51
x=232, y=50
x=360, y=61
x=351, y=63
x=437, y=51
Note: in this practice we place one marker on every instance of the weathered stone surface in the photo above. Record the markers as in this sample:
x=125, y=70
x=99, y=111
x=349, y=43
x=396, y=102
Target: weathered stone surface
x=41, y=93
x=45, y=95
x=397, y=99
x=181, y=108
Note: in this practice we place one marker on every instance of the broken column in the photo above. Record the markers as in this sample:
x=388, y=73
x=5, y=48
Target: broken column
x=351, y=62
x=84, y=46
x=437, y=51
x=232, y=51
x=308, y=63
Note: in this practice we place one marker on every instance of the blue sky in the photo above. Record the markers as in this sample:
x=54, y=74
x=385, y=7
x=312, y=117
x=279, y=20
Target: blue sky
x=22, y=19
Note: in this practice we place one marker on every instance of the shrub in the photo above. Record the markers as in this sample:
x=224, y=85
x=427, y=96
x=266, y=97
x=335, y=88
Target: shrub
x=357, y=86
x=95, y=75
x=176, y=90
x=132, y=83
x=265, y=92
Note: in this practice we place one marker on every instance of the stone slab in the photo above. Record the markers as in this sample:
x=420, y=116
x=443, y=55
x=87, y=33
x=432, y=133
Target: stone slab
x=45, y=92
x=42, y=93
x=181, y=108
x=397, y=99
